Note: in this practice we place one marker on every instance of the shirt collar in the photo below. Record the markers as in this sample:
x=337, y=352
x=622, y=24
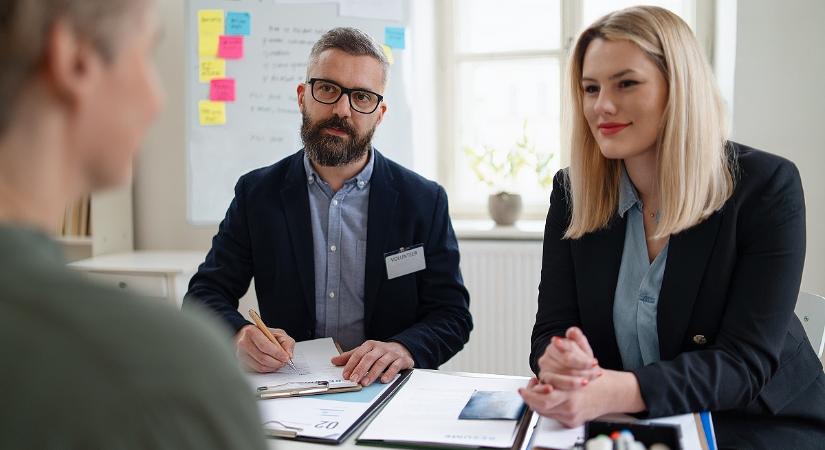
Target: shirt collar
x=361, y=180
x=628, y=197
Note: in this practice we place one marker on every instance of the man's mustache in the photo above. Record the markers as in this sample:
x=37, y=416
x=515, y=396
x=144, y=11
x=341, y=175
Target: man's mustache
x=336, y=122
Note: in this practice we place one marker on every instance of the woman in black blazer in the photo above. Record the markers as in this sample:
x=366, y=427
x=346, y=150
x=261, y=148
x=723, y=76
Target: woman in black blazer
x=672, y=256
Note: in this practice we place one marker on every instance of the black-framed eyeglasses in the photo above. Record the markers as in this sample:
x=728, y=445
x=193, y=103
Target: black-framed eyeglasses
x=329, y=92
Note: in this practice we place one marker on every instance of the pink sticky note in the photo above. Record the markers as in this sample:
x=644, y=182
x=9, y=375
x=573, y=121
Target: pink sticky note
x=230, y=47
x=222, y=90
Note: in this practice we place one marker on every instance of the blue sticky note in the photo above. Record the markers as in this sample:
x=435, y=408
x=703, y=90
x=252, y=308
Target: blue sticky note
x=394, y=37
x=238, y=23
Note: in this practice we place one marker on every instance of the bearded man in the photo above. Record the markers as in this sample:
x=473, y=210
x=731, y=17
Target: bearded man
x=341, y=241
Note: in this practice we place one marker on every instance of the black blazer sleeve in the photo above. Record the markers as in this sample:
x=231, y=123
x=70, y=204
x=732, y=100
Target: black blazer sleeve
x=558, y=309
x=444, y=323
x=226, y=273
x=760, y=306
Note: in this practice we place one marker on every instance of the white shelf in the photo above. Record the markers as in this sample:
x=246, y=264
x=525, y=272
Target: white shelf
x=144, y=261
x=75, y=240
x=110, y=221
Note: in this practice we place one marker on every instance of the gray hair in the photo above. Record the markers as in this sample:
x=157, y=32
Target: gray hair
x=24, y=29
x=351, y=41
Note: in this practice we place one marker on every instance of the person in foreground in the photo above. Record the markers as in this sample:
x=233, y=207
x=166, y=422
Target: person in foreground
x=672, y=256
x=87, y=367
x=321, y=230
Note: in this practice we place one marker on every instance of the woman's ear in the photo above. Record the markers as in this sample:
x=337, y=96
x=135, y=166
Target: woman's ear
x=71, y=64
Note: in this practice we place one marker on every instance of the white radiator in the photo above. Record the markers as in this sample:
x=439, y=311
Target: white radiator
x=503, y=279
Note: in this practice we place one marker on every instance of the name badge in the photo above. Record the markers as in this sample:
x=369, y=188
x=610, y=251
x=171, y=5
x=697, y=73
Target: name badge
x=405, y=261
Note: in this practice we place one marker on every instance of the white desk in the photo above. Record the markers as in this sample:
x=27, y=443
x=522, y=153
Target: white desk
x=159, y=275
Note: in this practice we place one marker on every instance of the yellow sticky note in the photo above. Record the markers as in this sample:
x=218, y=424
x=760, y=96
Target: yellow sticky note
x=210, y=27
x=210, y=21
x=211, y=69
x=212, y=113
x=208, y=45
x=388, y=53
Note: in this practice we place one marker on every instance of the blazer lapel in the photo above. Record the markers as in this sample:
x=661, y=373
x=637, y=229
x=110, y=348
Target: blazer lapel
x=380, y=214
x=599, y=260
x=295, y=198
x=687, y=258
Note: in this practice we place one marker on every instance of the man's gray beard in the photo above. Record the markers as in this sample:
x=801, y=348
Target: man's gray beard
x=332, y=151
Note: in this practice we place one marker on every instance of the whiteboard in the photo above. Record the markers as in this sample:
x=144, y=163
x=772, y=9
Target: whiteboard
x=263, y=123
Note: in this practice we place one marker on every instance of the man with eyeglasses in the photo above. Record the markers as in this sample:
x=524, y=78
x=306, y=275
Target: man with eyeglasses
x=341, y=241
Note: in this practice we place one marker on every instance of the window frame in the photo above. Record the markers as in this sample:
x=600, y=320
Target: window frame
x=700, y=12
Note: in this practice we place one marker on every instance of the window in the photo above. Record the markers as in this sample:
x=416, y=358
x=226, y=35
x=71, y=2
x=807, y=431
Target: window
x=503, y=65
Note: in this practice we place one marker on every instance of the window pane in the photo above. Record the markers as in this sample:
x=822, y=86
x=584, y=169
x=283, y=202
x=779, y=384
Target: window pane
x=500, y=103
x=594, y=9
x=512, y=25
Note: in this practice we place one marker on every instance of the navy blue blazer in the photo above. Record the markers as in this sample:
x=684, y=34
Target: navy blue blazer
x=728, y=337
x=266, y=234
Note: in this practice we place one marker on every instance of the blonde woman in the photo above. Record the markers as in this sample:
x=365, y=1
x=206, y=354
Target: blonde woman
x=672, y=256
x=85, y=366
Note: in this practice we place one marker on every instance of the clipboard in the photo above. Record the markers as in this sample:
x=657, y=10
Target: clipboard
x=276, y=429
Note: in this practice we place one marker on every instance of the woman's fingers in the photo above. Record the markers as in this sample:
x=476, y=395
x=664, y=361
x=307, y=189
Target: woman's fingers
x=576, y=335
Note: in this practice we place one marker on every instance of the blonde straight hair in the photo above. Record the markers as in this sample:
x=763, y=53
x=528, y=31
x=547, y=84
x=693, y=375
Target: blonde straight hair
x=694, y=166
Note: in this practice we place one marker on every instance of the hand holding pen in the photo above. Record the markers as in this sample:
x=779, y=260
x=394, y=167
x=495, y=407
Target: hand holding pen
x=264, y=349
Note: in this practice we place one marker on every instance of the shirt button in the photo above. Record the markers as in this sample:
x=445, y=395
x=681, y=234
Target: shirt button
x=332, y=295
x=335, y=203
x=700, y=339
x=332, y=248
x=310, y=180
x=361, y=184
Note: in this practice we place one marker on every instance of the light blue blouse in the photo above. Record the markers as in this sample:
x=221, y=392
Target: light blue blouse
x=638, y=286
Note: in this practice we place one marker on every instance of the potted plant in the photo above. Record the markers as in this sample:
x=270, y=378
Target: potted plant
x=500, y=171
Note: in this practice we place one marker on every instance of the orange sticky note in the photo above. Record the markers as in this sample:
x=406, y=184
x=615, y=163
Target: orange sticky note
x=211, y=113
x=222, y=90
x=230, y=47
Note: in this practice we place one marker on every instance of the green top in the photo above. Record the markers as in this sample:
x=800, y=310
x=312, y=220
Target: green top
x=87, y=367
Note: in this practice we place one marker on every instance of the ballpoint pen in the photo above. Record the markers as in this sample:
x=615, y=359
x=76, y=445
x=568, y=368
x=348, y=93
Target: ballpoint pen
x=261, y=326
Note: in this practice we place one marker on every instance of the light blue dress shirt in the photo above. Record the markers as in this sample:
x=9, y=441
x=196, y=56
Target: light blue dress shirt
x=339, y=235
x=637, y=289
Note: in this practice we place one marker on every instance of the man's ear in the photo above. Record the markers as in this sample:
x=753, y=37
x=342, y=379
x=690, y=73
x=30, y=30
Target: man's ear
x=382, y=108
x=301, y=91
x=70, y=63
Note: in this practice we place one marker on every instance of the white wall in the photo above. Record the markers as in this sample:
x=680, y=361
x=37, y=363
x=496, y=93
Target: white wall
x=779, y=101
x=160, y=175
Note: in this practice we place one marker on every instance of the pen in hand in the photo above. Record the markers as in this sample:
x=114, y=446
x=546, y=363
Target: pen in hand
x=261, y=326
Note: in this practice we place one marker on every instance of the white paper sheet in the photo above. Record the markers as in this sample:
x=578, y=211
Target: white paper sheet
x=426, y=411
x=311, y=358
x=550, y=434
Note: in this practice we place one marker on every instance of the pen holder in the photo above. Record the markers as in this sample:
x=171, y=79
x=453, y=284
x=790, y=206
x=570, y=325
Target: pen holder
x=647, y=434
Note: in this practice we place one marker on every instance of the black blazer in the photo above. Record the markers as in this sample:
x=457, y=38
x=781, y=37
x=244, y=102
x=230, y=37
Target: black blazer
x=267, y=235
x=728, y=336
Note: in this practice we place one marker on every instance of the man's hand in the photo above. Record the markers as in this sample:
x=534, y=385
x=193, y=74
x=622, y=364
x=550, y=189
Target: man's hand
x=372, y=359
x=568, y=362
x=258, y=353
